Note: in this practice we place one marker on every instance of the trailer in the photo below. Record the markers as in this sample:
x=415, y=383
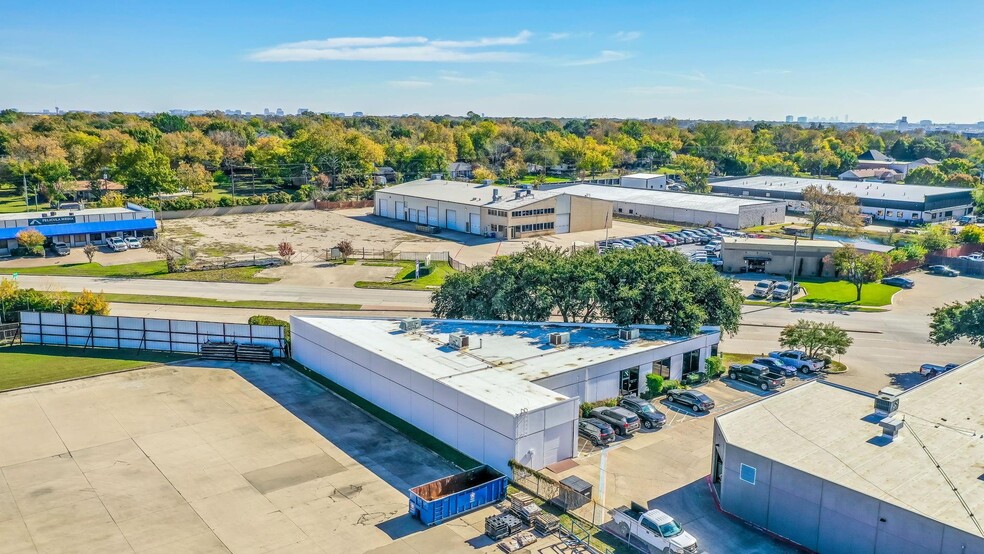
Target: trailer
x=457, y=494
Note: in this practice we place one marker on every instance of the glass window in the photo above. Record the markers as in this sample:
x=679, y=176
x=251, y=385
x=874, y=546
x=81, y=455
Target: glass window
x=691, y=362
x=714, y=350
x=650, y=525
x=662, y=368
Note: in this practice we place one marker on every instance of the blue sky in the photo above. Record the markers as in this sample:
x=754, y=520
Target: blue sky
x=874, y=61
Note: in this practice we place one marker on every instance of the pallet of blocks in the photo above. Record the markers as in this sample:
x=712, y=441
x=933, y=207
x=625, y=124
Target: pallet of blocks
x=502, y=525
x=521, y=540
x=522, y=505
x=545, y=523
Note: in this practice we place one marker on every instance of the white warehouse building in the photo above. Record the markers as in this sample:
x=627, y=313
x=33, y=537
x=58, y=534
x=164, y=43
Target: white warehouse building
x=647, y=181
x=495, y=390
x=684, y=207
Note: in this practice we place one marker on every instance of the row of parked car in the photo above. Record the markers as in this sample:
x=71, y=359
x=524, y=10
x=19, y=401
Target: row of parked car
x=116, y=244
x=701, y=235
x=604, y=423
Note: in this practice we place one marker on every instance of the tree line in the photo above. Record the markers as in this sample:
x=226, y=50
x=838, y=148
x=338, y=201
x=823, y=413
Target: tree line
x=166, y=152
x=14, y=299
x=630, y=286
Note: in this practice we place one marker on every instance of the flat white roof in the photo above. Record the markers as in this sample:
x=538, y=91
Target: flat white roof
x=472, y=194
x=786, y=243
x=861, y=189
x=666, y=199
x=645, y=175
x=63, y=213
x=834, y=434
x=503, y=358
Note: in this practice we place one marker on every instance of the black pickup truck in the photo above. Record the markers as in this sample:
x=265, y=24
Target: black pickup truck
x=758, y=375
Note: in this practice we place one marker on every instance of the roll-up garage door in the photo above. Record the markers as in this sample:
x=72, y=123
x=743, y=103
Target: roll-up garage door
x=563, y=223
x=475, y=224
x=432, y=216
x=384, y=207
x=451, y=219
x=400, y=210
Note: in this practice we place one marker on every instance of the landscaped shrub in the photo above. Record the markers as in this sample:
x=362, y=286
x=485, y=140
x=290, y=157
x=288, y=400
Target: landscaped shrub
x=270, y=320
x=586, y=407
x=280, y=197
x=654, y=384
x=714, y=367
x=670, y=384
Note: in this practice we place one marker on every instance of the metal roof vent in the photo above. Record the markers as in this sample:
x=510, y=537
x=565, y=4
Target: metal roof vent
x=887, y=401
x=436, y=176
x=495, y=195
x=628, y=334
x=487, y=182
x=560, y=338
x=410, y=324
x=458, y=341
x=891, y=426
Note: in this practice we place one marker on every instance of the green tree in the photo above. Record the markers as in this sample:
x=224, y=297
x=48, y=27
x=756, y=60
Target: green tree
x=31, y=240
x=936, y=237
x=860, y=269
x=829, y=205
x=925, y=175
x=194, y=177
x=694, y=172
x=956, y=165
x=89, y=303
x=962, y=180
x=167, y=123
x=973, y=234
x=815, y=338
x=959, y=320
x=146, y=172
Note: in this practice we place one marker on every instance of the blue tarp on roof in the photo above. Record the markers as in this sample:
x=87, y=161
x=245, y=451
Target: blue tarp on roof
x=59, y=229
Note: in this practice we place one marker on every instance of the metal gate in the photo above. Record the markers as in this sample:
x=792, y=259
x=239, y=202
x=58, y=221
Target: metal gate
x=9, y=334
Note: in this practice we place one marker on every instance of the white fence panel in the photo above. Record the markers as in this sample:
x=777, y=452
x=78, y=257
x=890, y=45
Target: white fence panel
x=143, y=333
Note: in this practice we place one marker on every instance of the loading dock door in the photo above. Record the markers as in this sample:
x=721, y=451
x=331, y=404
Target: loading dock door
x=475, y=224
x=384, y=207
x=412, y=215
x=432, y=216
x=400, y=211
x=451, y=219
x=563, y=223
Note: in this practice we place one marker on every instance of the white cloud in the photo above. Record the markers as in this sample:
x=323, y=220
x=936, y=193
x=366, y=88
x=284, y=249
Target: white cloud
x=410, y=83
x=605, y=56
x=626, y=36
x=456, y=77
x=394, y=49
x=558, y=36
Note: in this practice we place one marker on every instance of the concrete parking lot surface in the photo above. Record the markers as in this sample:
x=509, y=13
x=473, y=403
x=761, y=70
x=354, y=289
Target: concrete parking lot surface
x=200, y=458
x=666, y=469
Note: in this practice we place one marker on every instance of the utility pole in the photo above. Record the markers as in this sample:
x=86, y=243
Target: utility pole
x=232, y=175
x=792, y=276
x=27, y=205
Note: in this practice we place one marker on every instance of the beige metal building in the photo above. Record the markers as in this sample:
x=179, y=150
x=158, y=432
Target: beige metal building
x=487, y=209
x=775, y=256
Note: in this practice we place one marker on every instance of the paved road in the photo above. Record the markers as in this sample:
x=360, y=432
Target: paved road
x=888, y=347
x=368, y=298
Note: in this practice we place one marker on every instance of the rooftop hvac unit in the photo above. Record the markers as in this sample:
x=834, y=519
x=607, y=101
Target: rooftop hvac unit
x=891, y=426
x=887, y=401
x=628, y=334
x=436, y=176
x=560, y=339
x=410, y=324
x=458, y=341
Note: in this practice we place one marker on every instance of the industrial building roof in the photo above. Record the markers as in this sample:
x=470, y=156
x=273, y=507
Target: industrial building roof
x=862, y=189
x=833, y=433
x=473, y=194
x=645, y=175
x=503, y=357
x=775, y=244
x=62, y=213
x=682, y=200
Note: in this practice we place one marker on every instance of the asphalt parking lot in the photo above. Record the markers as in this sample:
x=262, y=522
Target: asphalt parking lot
x=210, y=457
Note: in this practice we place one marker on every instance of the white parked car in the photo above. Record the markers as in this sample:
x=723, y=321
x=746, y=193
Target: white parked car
x=133, y=242
x=116, y=244
x=654, y=528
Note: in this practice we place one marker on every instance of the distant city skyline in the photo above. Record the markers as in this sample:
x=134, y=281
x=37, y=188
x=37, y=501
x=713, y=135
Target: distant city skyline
x=693, y=60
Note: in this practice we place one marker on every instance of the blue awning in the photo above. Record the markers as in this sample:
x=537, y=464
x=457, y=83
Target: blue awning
x=124, y=226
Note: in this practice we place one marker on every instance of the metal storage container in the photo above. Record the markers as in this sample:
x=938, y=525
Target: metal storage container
x=456, y=494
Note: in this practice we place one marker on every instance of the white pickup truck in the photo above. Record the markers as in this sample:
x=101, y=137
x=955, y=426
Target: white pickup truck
x=799, y=360
x=657, y=532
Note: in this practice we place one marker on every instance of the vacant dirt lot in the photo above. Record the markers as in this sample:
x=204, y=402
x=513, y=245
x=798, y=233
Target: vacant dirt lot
x=204, y=458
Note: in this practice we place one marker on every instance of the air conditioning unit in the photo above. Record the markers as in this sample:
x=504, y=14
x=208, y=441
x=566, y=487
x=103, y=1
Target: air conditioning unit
x=628, y=334
x=560, y=339
x=410, y=324
x=887, y=401
x=458, y=341
x=891, y=426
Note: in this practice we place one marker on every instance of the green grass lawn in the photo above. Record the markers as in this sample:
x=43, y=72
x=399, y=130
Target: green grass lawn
x=530, y=179
x=404, y=278
x=147, y=270
x=11, y=202
x=212, y=303
x=34, y=365
x=729, y=359
x=844, y=293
